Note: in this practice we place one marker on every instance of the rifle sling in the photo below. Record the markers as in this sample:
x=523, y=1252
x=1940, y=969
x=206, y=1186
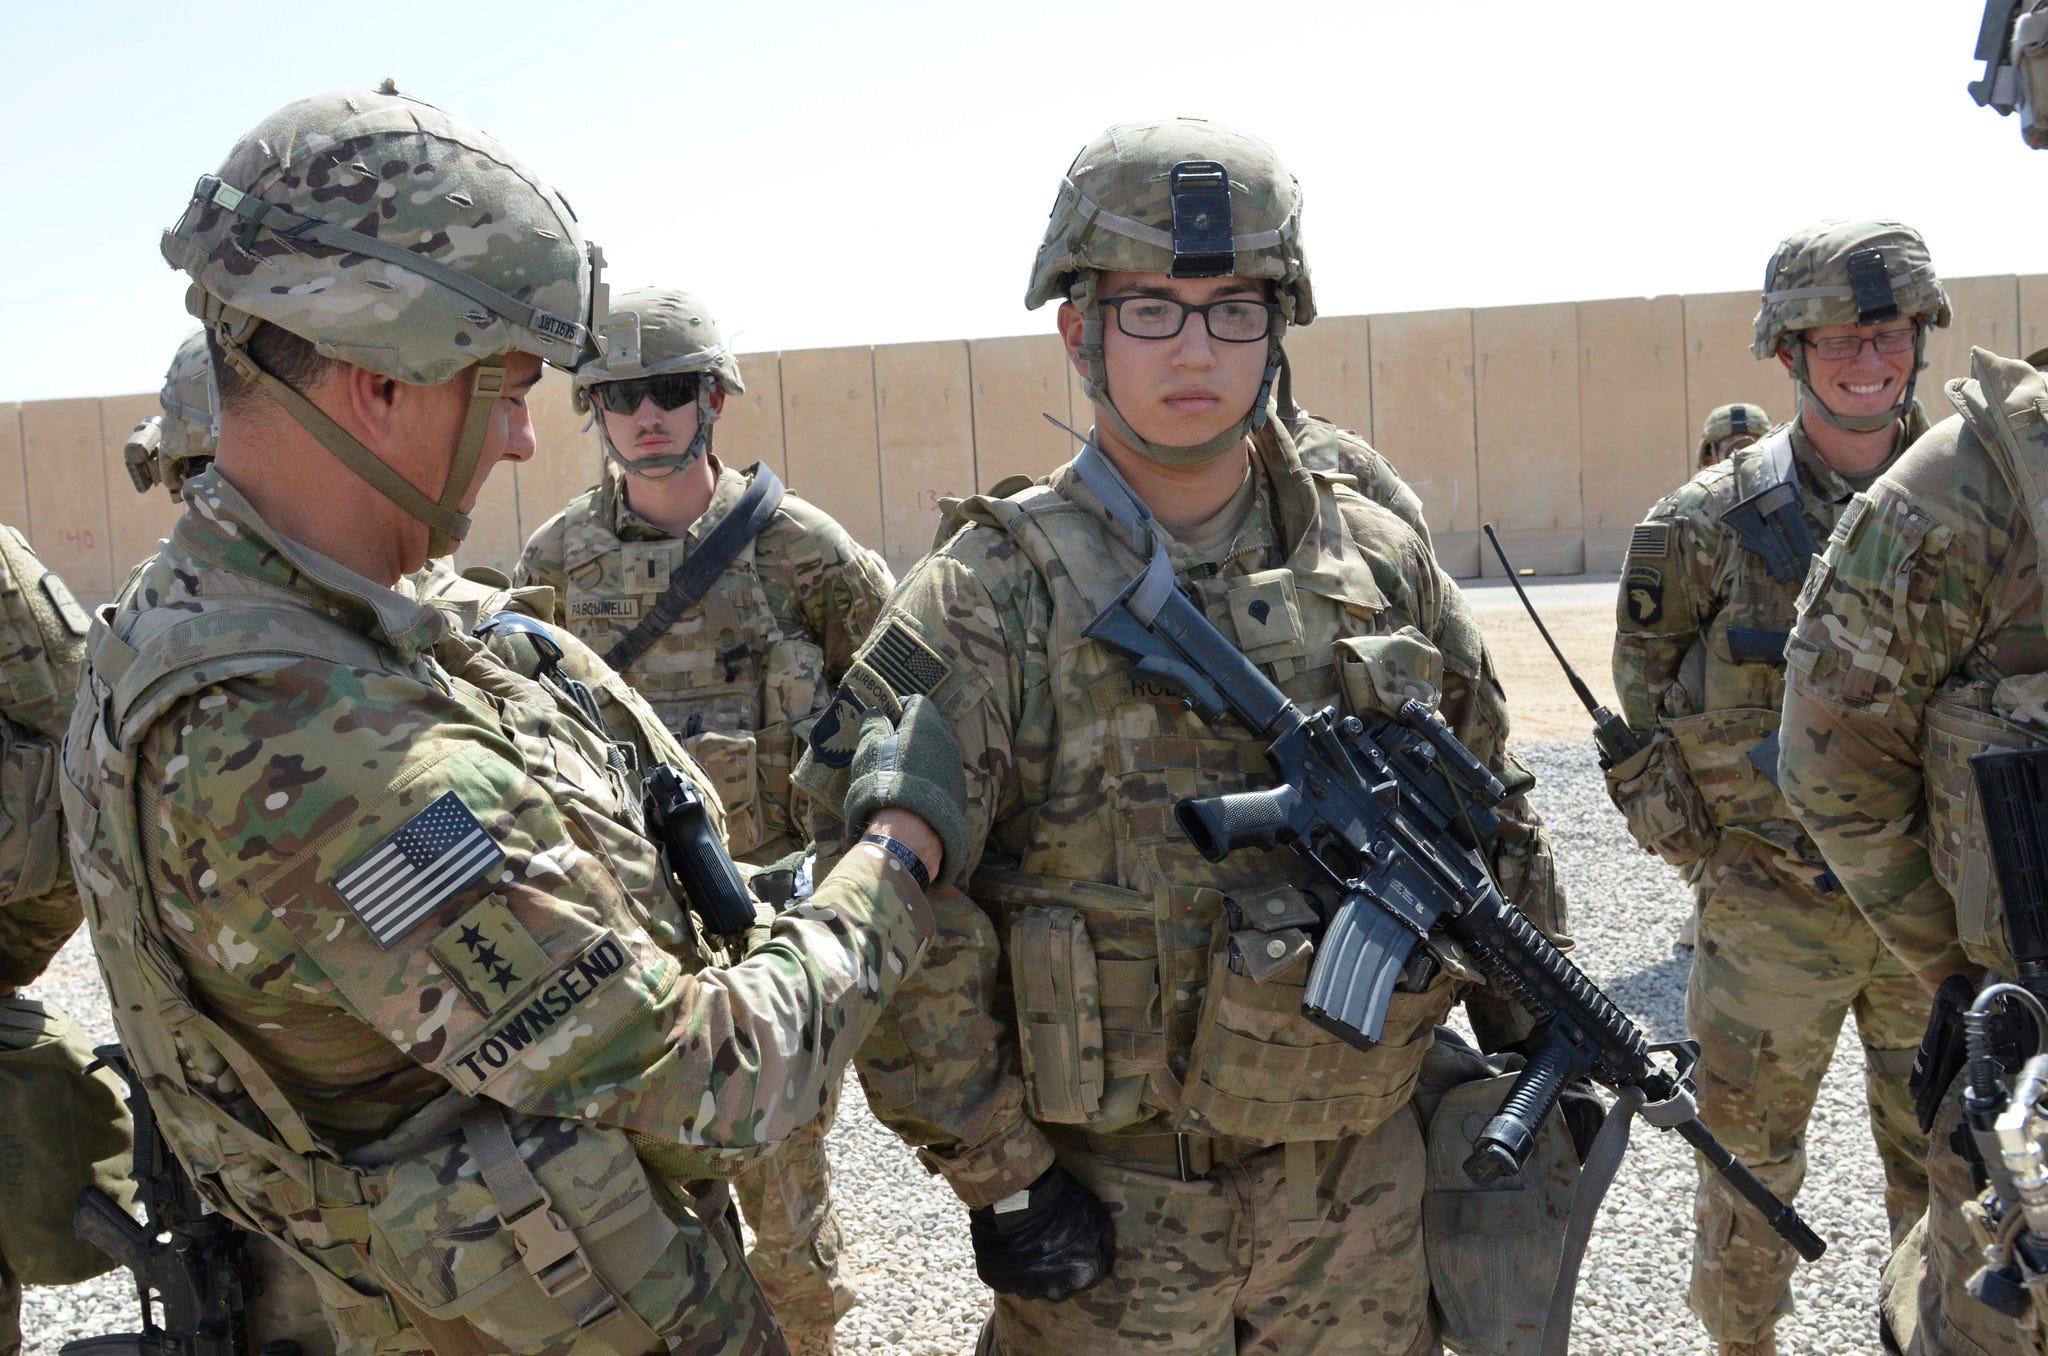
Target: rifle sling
x=1603, y=1160
x=692, y=579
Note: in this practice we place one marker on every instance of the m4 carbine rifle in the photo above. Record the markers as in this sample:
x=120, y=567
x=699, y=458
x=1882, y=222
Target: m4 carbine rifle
x=1394, y=814
x=190, y=1264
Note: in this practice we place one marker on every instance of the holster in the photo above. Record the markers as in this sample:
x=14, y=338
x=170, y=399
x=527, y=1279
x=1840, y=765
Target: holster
x=1941, y=1054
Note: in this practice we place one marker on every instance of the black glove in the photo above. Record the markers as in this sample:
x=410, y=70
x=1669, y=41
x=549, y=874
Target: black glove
x=1058, y=1240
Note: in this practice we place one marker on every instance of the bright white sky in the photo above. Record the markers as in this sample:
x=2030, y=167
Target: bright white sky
x=834, y=173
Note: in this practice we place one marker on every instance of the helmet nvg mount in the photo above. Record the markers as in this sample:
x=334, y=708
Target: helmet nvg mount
x=657, y=332
x=170, y=448
x=2013, y=45
x=1183, y=197
x=394, y=237
x=1728, y=422
x=1848, y=273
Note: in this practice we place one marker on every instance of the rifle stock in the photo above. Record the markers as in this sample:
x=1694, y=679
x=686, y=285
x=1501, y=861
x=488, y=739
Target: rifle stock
x=1394, y=815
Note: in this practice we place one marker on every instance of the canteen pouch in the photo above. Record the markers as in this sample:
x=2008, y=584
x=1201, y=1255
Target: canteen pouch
x=1964, y=719
x=604, y=1236
x=1059, y=1013
x=728, y=760
x=31, y=815
x=61, y=1130
x=1655, y=794
x=1492, y=1251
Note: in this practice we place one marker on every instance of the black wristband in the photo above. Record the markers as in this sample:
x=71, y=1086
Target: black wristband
x=900, y=850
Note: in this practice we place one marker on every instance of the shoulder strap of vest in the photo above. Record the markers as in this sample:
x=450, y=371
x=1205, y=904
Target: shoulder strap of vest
x=701, y=568
x=1766, y=518
x=2008, y=410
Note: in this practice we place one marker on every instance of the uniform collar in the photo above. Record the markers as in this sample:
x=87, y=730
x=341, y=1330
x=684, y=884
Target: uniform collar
x=1831, y=484
x=221, y=528
x=627, y=525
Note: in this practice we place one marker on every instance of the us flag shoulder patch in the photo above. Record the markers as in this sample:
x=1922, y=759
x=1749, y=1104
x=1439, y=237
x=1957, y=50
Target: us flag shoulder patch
x=426, y=863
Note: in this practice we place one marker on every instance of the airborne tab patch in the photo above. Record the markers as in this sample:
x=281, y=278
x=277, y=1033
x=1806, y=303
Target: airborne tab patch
x=430, y=859
x=488, y=954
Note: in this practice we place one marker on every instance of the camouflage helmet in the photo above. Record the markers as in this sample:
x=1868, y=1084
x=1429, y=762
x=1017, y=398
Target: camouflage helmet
x=1848, y=273
x=169, y=448
x=1184, y=197
x=653, y=332
x=2013, y=45
x=394, y=237
x=1115, y=213
x=1740, y=420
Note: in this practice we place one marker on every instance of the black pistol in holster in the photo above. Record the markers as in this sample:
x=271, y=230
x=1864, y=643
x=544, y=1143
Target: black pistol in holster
x=1395, y=815
x=190, y=1265
x=681, y=823
x=1617, y=742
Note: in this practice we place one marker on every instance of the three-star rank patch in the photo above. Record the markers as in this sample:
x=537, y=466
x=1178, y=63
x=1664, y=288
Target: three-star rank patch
x=1642, y=590
x=424, y=863
x=489, y=955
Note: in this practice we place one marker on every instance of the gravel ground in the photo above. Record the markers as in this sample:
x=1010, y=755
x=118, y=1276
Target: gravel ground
x=906, y=1239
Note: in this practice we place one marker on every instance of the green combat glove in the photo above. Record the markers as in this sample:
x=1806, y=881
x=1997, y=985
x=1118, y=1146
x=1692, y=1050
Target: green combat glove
x=1045, y=1242
x=912, y=764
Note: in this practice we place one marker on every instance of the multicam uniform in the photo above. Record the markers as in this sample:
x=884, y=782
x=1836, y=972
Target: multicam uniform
x=1265, y=1178
x=314, y=721
x=1920, y=641
x=1322, y=446
x=39, y=907
x=739, y=679
x=1782, y=952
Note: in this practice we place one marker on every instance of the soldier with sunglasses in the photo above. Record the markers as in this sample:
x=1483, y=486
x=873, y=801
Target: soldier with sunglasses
x=734, y=608
x=1707, y=598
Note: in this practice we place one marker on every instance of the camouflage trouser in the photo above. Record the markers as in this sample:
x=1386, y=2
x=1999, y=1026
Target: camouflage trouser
x=786, y=1199
x=1211, y=1267
x=1926, y=1295
x=1777, y=966
x=287, y=1305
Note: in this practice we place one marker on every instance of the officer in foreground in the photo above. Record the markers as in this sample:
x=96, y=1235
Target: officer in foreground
x=1921, y=642
x=735, y=609
x=1707, y=596
x=1157, y=1150
x=1729, y=429
x=377, y=914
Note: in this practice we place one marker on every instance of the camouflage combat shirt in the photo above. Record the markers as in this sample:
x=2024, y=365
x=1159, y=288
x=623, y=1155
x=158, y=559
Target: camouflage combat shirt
x=742, y=674
x=1930, y=580
x=1701, y=626
x=386, y=879
x=1072, y=768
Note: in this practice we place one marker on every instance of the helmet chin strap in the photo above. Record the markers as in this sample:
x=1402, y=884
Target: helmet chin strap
x=1858, y=423
x=1093, y=316
x=668, y=463
x=446, y=524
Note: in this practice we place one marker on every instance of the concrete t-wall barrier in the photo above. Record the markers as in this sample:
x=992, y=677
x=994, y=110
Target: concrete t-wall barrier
x=1560, y=423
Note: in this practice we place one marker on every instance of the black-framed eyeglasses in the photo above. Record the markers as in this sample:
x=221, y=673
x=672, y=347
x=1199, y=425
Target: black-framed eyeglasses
x=1234, y=320
x=671, y=391
x=1837, y=347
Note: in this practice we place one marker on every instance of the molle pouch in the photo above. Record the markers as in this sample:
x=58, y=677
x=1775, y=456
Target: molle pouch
x=61, y=1129
x=31, y=815
x=1378, y=673
x=539, y=1232
x=1716, y=746
x=792, y=692
x=1261, y=1071
x=1655, y=794
x=1964, y=719
x=728, y=760
x=1493, y=1251
x=1059, y=1013
x=1269, y=931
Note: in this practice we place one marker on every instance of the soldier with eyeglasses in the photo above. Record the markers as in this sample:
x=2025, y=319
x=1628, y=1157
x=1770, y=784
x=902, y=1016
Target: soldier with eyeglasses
x=734, y=608
x=1708, y=595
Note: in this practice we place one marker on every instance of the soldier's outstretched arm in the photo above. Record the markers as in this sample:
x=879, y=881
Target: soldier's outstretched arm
x=1883, y=620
